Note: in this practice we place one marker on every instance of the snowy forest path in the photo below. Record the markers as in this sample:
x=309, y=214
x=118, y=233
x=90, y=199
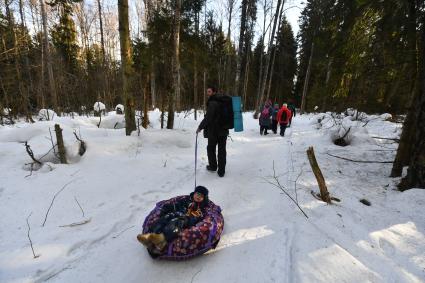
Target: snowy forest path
x=266, y=237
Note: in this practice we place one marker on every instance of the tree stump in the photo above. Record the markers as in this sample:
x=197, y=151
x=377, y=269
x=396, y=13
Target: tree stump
x=61, y=146
x=324, y=194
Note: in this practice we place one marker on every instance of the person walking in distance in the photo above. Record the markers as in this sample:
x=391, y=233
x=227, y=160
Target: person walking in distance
x=291, y=107
x=283, y=117
x=265, y=117
x=214, y=132
x=274, y=118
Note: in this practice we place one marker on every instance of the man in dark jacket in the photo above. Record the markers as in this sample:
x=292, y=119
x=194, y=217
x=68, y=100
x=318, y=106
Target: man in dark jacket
x=215, y=133
x=291, y=107
x=175, y=218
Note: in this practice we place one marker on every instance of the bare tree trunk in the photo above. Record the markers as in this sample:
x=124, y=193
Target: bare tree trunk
x=306, y=80
x=102, y=41
x=328, y=76
x=126, y=68
x=61, y=146
x=204, y=94
x=195, y=88
x=27, y=66
x=162, y=109
x=404, y=151
x=416, y=173
x=16, y=60
x=228, y=62
x=260, y=76
x=40, y=82
x=48, y=59
x=266, y=69
x=246, y=80
x=240, y=48
x=175, y=96
x=274, y=58
x=145, y=122
x=248, y=40
x=195, y=71
x=153, y=85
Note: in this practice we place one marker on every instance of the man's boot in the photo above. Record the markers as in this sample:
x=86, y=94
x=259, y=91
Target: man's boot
x=210, y=168
x=221, y=172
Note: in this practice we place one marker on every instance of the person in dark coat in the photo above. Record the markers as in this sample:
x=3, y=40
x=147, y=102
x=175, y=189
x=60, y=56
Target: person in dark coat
x=215, y=133
x=174, y=218
x=292, y=108
x=265, y=117
x=274, y=118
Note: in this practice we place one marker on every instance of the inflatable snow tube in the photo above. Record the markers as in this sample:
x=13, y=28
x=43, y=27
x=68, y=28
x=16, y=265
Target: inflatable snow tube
x=194, y=240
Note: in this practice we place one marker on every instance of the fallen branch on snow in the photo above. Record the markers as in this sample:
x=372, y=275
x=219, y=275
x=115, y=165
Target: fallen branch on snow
x=77, y=223
x=391, y=139
x=324, y=194
x=358, y=161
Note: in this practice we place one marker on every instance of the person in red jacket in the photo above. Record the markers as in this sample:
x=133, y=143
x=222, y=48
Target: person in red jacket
x=283, y=117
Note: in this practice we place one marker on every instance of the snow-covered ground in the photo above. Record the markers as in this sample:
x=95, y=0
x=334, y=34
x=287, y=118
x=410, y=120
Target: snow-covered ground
x=266, y=237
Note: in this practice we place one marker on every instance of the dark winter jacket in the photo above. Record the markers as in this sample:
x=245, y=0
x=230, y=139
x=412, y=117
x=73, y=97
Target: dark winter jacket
x=274, y=114
x=292, y=108
x=264, y=120
x=210, y=123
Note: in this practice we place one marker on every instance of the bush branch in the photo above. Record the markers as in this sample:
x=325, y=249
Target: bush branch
x=282, y=188
x=29, y=238
x=54, y=197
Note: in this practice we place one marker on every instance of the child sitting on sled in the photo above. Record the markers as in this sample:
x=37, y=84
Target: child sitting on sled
x=174, y=218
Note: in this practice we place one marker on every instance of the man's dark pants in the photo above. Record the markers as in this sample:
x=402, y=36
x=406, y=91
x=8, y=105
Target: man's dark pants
x=282, y=129
x=213, y=141
x=274, y=126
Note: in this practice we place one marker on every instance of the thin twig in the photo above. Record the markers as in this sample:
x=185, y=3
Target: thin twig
x=29, y=238
x=295, y=187
x=82, y=148
x=367, y=122
x=79, y=205
x=358, y=161
x=53, y=148
x=51, y=204
x=194, y=275
x=282, y=188
x=32, y=168
x=77, y=223
x=346, y=132
x=117, y=235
